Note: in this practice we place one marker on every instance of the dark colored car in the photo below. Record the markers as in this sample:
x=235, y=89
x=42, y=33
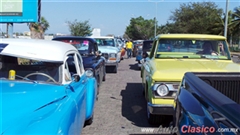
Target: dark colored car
x=92, y=58
x=143, y=51
x=208, y=103
x=136, y=45
x=147, y=45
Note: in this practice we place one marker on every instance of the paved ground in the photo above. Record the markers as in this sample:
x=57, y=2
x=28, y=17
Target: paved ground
x=121, y=108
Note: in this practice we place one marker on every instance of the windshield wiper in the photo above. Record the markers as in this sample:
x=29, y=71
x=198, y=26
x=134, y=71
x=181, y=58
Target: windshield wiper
x=175, y=58
x=24, y=78
x=210, y=57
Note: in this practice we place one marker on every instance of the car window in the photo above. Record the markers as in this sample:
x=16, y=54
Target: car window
x=75, y=65
x=80, y=63
x=106, y=42
x=66, y=71
x=147, y=45
x=192, y=49
x=70, y=64
x=30, y=69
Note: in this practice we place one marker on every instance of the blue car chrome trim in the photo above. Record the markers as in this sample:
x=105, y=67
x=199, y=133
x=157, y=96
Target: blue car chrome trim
x=51, y=103
x=2, y=46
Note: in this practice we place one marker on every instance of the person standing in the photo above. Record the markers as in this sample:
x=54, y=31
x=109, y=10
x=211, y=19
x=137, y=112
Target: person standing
x=129, y=47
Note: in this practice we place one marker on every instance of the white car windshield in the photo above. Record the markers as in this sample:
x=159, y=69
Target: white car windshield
x=105, y=42
x=16, y=68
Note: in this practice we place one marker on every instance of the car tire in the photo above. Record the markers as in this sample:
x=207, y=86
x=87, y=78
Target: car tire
x=89, y=121
x=104, y=78
x=115, y=69
x=143, y=91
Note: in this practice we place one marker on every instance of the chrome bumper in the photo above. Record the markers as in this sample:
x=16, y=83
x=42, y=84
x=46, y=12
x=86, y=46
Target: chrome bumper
x=160, y=109
x=111, y=63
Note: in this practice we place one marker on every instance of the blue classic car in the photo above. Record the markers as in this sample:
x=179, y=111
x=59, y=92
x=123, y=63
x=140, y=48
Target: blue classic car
x=38, y=93
x=92, y=58
x=208, y=103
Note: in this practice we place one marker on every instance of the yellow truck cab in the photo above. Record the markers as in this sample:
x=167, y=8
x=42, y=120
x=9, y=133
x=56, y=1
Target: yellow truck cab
x=171, y=56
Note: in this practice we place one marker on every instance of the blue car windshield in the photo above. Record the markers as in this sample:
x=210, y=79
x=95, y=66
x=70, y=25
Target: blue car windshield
x=30, y=69
x=105, y=42
x=80, y=44
x=196, y=49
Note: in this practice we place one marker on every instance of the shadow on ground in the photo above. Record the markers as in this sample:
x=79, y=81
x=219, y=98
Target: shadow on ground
x=111, y=69
x=134, y=107
x=134, y=67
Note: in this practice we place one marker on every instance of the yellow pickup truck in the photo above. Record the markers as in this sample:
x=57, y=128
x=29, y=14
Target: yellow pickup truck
x=171, y=56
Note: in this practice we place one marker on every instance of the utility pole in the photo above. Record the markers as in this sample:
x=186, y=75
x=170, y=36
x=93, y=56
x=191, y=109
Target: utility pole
x=155, y=28
x=226, y=20
x=155, y=21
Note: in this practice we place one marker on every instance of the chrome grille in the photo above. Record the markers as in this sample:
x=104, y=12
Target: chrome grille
x=105, y=55
x=112, y=55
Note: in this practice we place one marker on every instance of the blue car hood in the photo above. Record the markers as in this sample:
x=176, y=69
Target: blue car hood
x=22, y=103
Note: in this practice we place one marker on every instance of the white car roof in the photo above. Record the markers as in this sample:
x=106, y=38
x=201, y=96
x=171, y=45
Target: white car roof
x=102, y=37
x=38, y=49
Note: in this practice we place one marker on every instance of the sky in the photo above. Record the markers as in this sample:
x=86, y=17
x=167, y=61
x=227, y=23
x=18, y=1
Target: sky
x=111, y=16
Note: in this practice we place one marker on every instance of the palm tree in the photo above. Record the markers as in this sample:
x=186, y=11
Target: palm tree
x=218, y=27
x=38, y=29
x=236, y=23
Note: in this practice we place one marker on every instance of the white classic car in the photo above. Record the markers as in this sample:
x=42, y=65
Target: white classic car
x=110, y=49
x=44, y=84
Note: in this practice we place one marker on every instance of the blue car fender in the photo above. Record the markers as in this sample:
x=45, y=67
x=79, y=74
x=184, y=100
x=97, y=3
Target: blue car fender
x=91, y=97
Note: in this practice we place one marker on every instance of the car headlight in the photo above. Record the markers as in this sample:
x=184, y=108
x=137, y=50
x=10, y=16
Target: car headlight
x=89, y=72
x=162, y=90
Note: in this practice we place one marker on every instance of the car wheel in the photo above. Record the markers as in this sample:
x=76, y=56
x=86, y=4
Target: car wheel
x=98, y=83
x=89, y=121
x=115, y=69
x=143, y=91
x=104, y=78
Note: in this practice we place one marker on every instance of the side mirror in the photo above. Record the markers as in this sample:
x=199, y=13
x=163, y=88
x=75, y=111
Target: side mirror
x=76, y=77
x=142, y=60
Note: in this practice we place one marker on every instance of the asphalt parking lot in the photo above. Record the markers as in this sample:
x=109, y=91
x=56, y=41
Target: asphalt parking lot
x=121, y=108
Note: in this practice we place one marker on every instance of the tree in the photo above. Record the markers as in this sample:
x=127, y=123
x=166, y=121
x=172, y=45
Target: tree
x=236, y=24
x=38, y=29
x=78, y=28
x=218, y=27
x=140, y=28
x=196, y=17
